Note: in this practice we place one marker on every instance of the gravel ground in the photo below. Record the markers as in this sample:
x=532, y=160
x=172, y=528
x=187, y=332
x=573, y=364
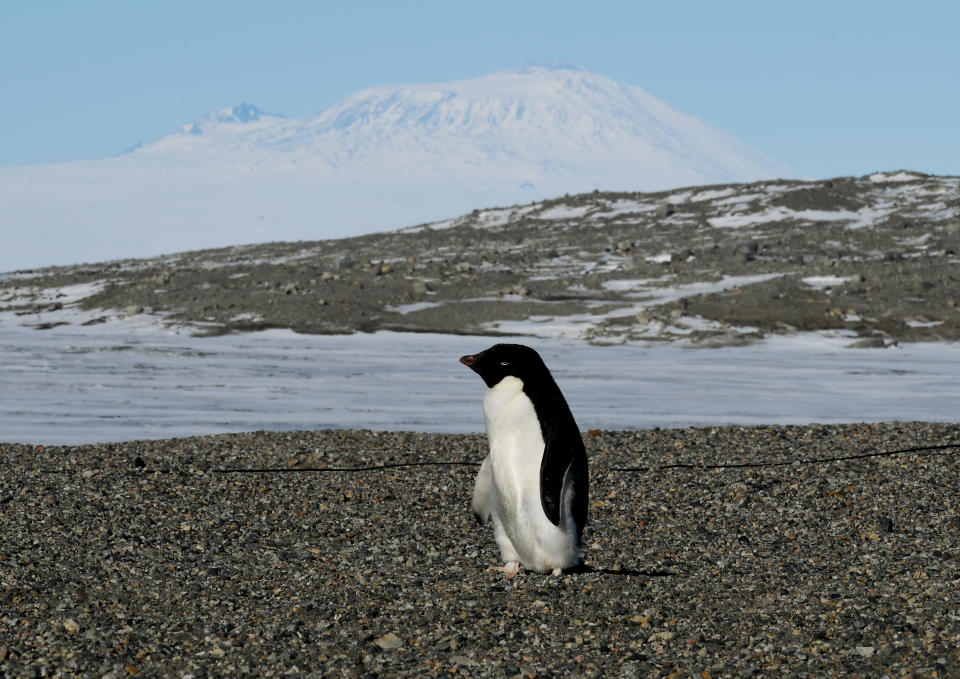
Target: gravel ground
x=142, y=559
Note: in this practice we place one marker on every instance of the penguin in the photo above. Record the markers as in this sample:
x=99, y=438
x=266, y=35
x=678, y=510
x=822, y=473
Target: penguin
x=533, y=484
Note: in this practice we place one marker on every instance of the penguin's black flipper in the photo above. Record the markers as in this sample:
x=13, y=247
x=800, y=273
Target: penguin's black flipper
x=564, y=460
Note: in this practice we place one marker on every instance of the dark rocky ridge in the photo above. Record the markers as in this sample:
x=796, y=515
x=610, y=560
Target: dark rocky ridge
x=889, y=244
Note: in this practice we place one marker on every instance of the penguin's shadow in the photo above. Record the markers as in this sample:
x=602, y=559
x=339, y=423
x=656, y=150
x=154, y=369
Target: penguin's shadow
x=622, y=572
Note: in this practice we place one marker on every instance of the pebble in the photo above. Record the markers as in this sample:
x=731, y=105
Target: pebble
x=747, y=250
x=419, y=288
x=389, y=641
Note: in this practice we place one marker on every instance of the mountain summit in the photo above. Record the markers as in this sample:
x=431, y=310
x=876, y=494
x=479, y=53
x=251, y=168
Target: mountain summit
x=383, y=158
x=561, y=129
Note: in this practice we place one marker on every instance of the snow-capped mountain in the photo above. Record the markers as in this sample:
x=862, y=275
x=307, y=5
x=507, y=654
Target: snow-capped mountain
x=542, y=125
x=386, y=157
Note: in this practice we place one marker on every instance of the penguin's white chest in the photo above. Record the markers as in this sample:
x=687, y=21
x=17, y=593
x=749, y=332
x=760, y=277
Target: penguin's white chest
x=521, y=528
x=516, y=442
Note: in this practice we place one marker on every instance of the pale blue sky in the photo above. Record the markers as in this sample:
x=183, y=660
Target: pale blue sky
x=827, y=87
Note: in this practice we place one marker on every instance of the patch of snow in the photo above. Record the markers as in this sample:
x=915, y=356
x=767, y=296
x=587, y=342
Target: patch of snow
x=404, y=309
x=564, y=212
x=489, y=218
x=66, y=295
x=894, y=177
x=627, y=206
x=821, y=282
x=863, y=217
x=937, y=212
x=628, y=284
x=661, y=295
x=492, y=218
x=740, y=201
x=822, y=215
x=247, y=316
x=711, y=195
x=679, y=197
x=575, y=326
x=664, y=295
x=868, y=216
x=737, y=221
x=916, y=240
x=605, y=264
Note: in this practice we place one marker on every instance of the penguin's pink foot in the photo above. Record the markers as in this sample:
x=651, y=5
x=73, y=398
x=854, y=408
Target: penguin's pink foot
x=511, y=568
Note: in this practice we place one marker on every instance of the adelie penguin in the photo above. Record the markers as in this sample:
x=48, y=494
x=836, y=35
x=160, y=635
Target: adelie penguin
x=533, y=484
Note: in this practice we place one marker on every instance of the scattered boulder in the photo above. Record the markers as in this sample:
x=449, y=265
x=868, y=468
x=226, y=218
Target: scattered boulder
x=665, y=209
x=747, y=249
x=868, y=343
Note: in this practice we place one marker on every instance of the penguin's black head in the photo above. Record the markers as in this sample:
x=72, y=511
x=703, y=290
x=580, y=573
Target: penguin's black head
x=507, y=360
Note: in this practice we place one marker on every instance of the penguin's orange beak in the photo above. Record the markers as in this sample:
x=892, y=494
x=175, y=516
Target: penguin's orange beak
x=468, y=360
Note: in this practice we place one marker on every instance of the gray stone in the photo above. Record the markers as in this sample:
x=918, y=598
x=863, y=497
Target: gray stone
x=389, y=641
x=868, y=343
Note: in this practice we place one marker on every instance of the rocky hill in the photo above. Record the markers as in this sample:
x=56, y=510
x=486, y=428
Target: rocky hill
x=874, y=257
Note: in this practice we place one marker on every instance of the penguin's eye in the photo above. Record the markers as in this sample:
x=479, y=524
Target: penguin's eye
x=504, y=363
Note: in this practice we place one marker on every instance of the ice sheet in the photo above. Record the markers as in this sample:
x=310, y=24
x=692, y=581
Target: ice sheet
x=72, y=384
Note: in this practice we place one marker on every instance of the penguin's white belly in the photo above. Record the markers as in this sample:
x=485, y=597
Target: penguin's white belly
x=522, y=530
